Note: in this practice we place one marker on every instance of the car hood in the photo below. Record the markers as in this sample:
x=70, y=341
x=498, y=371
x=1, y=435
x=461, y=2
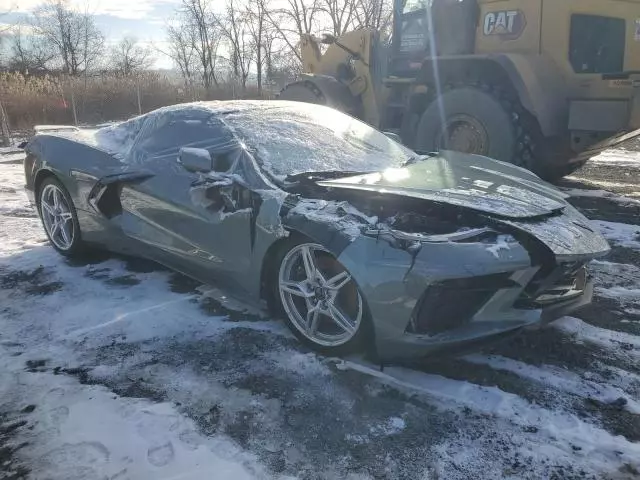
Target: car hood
x=469, y=181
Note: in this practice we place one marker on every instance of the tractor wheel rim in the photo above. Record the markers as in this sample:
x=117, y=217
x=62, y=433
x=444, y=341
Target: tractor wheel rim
x=464, y=133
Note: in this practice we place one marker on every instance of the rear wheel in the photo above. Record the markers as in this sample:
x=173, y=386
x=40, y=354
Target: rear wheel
x=320, y=300
x=478, y=121
x=59, y=217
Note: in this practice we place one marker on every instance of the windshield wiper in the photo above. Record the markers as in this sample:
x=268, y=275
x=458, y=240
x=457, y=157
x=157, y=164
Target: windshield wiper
x=310, y=177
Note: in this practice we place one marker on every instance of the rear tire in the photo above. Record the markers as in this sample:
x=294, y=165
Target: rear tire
x=480, y=119
x=59, y=218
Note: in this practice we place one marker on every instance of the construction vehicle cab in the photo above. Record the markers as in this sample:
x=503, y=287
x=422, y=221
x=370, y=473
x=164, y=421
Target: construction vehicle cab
x=540, y=83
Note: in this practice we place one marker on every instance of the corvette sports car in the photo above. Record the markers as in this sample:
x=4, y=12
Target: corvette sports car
x=358, y=242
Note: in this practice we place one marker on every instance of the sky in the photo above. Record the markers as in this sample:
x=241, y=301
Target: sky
x=143, y=19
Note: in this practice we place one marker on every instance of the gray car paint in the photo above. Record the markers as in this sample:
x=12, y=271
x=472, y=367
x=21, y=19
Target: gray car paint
x=161, y=221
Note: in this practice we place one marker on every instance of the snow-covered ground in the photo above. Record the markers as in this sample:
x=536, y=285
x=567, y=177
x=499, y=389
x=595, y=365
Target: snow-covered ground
x=115, y=368
x=619, y=157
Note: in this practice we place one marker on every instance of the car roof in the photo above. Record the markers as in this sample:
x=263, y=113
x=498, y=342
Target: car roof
x=222, y=106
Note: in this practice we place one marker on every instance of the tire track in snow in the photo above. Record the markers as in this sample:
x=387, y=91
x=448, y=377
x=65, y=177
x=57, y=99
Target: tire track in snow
x=559, y=379
x=563, y=431
x=617, y=342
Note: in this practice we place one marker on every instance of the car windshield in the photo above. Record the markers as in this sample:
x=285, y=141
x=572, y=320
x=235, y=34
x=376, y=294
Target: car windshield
x=290, y=139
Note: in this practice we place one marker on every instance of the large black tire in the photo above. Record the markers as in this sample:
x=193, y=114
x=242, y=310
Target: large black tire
x=302, y=92
x=77, y=247
x=360, y=342
x=503, y=126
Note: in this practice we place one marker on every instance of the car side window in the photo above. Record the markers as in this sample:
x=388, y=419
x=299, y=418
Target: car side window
x=165, y=134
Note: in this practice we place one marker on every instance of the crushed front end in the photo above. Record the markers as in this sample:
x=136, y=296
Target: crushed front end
x=430, y=292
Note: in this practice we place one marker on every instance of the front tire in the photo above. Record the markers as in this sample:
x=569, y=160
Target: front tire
x=320, y=301
x=59, y=218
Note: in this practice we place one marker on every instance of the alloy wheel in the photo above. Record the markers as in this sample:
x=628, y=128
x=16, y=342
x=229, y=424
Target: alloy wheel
x=319, y=296
x=57, y=217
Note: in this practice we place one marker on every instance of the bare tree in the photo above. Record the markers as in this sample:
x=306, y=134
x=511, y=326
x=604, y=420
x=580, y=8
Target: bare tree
x=76, y=39
x=236, y=31
x=29, y=53
x=294, y=19
x=182, y=52
x=376, y=14
x=201, y=30
x=261, y=36
x=340, y=13
x=128, y=57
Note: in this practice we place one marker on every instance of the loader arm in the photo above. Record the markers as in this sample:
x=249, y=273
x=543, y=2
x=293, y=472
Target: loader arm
x=350, y=61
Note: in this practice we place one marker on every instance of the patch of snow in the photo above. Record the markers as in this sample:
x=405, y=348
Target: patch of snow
x=617, y=281
x=558, y=378
x=304, y=364
x=54, y=128
x=577, y=192
x=620, y=157
x=9, y=150
x=620, y=293
x=81, y=432
x=621, y=234
x=228, y=302
x=611, y=273
x=17, y=157
x=609, y=339
x=561, y=432
x=502, y=243
x=342, y=215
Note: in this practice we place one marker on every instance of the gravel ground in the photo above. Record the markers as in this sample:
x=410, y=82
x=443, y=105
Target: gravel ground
x=115, y=368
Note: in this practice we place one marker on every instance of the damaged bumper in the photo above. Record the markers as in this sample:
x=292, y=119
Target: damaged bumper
x=476, y=334
x=456, y=295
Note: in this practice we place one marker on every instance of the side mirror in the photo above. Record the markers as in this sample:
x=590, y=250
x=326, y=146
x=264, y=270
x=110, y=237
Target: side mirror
x=393, y=136
x=195, y=159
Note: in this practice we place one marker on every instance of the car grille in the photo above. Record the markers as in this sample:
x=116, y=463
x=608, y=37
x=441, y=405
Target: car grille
x=564, y=283
x=450, y=304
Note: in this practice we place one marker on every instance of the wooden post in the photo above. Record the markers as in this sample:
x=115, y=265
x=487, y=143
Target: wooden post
x=73, y=105
x=4, y=126
x=138, y=92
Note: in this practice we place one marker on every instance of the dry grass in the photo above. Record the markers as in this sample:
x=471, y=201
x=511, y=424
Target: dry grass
x=30, y=100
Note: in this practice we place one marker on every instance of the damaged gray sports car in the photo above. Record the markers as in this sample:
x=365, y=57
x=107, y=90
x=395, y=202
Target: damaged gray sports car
x=359, y=242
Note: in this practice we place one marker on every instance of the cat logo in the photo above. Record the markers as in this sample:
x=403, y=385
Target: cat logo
x=506, y=24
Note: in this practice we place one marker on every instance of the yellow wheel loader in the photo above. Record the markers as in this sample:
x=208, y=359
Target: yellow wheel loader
x=544, y=84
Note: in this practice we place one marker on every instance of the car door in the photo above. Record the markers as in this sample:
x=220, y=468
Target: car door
x=188, y=221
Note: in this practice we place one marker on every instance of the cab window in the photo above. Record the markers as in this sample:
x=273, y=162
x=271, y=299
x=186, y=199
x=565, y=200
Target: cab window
x=597, y=44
